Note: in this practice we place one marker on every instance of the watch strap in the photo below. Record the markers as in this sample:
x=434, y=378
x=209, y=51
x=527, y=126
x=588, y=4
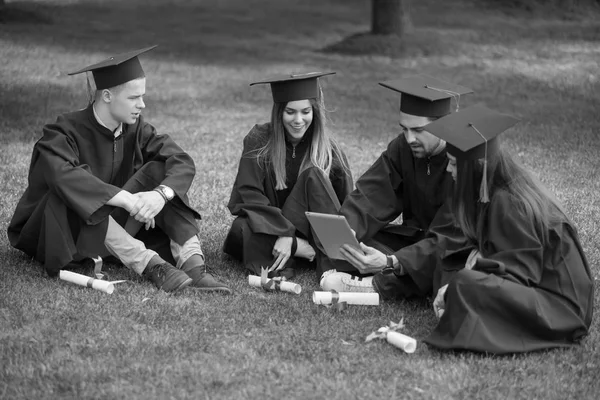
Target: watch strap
x=167, y=191
x=389, y=261
x=164, y=196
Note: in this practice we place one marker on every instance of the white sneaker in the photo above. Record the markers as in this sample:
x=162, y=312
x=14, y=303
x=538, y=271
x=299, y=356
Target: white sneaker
x=358, y=284
x=344, y=282
x=324, y=278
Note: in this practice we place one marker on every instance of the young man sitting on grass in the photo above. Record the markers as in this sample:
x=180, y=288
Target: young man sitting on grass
x=102, y=182
x=409, y=179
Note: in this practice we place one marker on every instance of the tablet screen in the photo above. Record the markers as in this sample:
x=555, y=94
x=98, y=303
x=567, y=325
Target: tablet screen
x=333, y=232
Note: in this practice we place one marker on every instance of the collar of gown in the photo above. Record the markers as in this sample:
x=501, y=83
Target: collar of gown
x=116, y=133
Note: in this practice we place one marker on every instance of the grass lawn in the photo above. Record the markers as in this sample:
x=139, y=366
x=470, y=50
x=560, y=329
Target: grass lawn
x=63, y=341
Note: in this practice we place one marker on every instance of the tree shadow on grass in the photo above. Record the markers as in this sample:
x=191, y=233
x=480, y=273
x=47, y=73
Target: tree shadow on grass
x=445, y=28
x=440, y=40
x=422, y=44
x=22, y=14
x=230, y=41
x=233, y=32
x=247, y=37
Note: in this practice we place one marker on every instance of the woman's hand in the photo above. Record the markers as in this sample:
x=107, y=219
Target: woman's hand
x=282, y=251
x=439, y=303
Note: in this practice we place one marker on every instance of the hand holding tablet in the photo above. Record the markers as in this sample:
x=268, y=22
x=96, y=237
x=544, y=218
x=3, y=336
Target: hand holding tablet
x=333, y=231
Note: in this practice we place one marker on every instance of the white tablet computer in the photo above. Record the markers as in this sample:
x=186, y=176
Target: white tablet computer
x=333, y=231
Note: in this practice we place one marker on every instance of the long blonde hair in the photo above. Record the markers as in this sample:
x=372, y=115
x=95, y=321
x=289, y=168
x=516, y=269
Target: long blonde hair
x=537, y=203
x=324, y=151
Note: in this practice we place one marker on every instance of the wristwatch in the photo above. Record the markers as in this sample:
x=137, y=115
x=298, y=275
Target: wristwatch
x=389, y=262
x=166, y=192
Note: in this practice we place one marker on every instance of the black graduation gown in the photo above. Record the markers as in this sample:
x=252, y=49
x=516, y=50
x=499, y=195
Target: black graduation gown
x=400, y=184
x=76, y=167
x=257, y=204
x=421, y=278
x=521, y=296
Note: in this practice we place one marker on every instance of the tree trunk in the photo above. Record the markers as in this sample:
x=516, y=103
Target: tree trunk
x=389, y=17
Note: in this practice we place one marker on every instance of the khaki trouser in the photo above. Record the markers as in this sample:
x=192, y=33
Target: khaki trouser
x=133, y=253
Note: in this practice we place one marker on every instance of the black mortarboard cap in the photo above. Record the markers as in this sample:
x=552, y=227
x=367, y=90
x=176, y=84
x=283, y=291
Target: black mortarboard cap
x=116, y=70
x=426, y=96
x=466, y=132
x=294, y=87
x=472, y=134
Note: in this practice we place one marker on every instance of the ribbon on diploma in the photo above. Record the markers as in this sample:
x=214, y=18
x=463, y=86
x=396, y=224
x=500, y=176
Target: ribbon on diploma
x=336, y=304
x=83, y=280
x=341, y=299
x=97, y=268
x=392, y=336
x=267, y=284
x=271, y=285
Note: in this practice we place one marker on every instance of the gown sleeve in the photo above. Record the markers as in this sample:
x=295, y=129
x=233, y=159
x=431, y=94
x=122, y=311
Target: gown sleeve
x=341, y=180
x=179, y=167
x=249, y=197
x=377, y=199
x=443, y=240
x=71, y=181
x=512, y=247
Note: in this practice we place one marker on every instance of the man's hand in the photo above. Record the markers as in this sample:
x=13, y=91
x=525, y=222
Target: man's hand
x=439, y=305
x=370, y=262
x=127, y=201
x=282, y=250
x=123, y=199
x=146, y=207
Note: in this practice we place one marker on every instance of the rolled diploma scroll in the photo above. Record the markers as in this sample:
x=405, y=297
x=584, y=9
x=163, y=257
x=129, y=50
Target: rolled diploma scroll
x=82, y=280
x=365, y=299
x=284, y=286
x=401, y=341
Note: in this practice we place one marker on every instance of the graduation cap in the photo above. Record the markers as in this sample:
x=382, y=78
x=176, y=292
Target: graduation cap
x=425, y=96
x=294, y=87
x=472, y=134
x=116, y=70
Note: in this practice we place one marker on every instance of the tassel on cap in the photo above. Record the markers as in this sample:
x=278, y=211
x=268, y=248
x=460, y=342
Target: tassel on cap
x=426, y=96
x=89, y=89
x=455, y=95
x=463, y=132
x=484, y=196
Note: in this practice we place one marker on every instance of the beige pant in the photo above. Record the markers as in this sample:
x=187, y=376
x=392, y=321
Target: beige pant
x=133, y=253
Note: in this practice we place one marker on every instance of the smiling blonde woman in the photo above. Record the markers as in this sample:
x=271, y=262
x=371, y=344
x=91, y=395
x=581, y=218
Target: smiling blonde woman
x=288, y=166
